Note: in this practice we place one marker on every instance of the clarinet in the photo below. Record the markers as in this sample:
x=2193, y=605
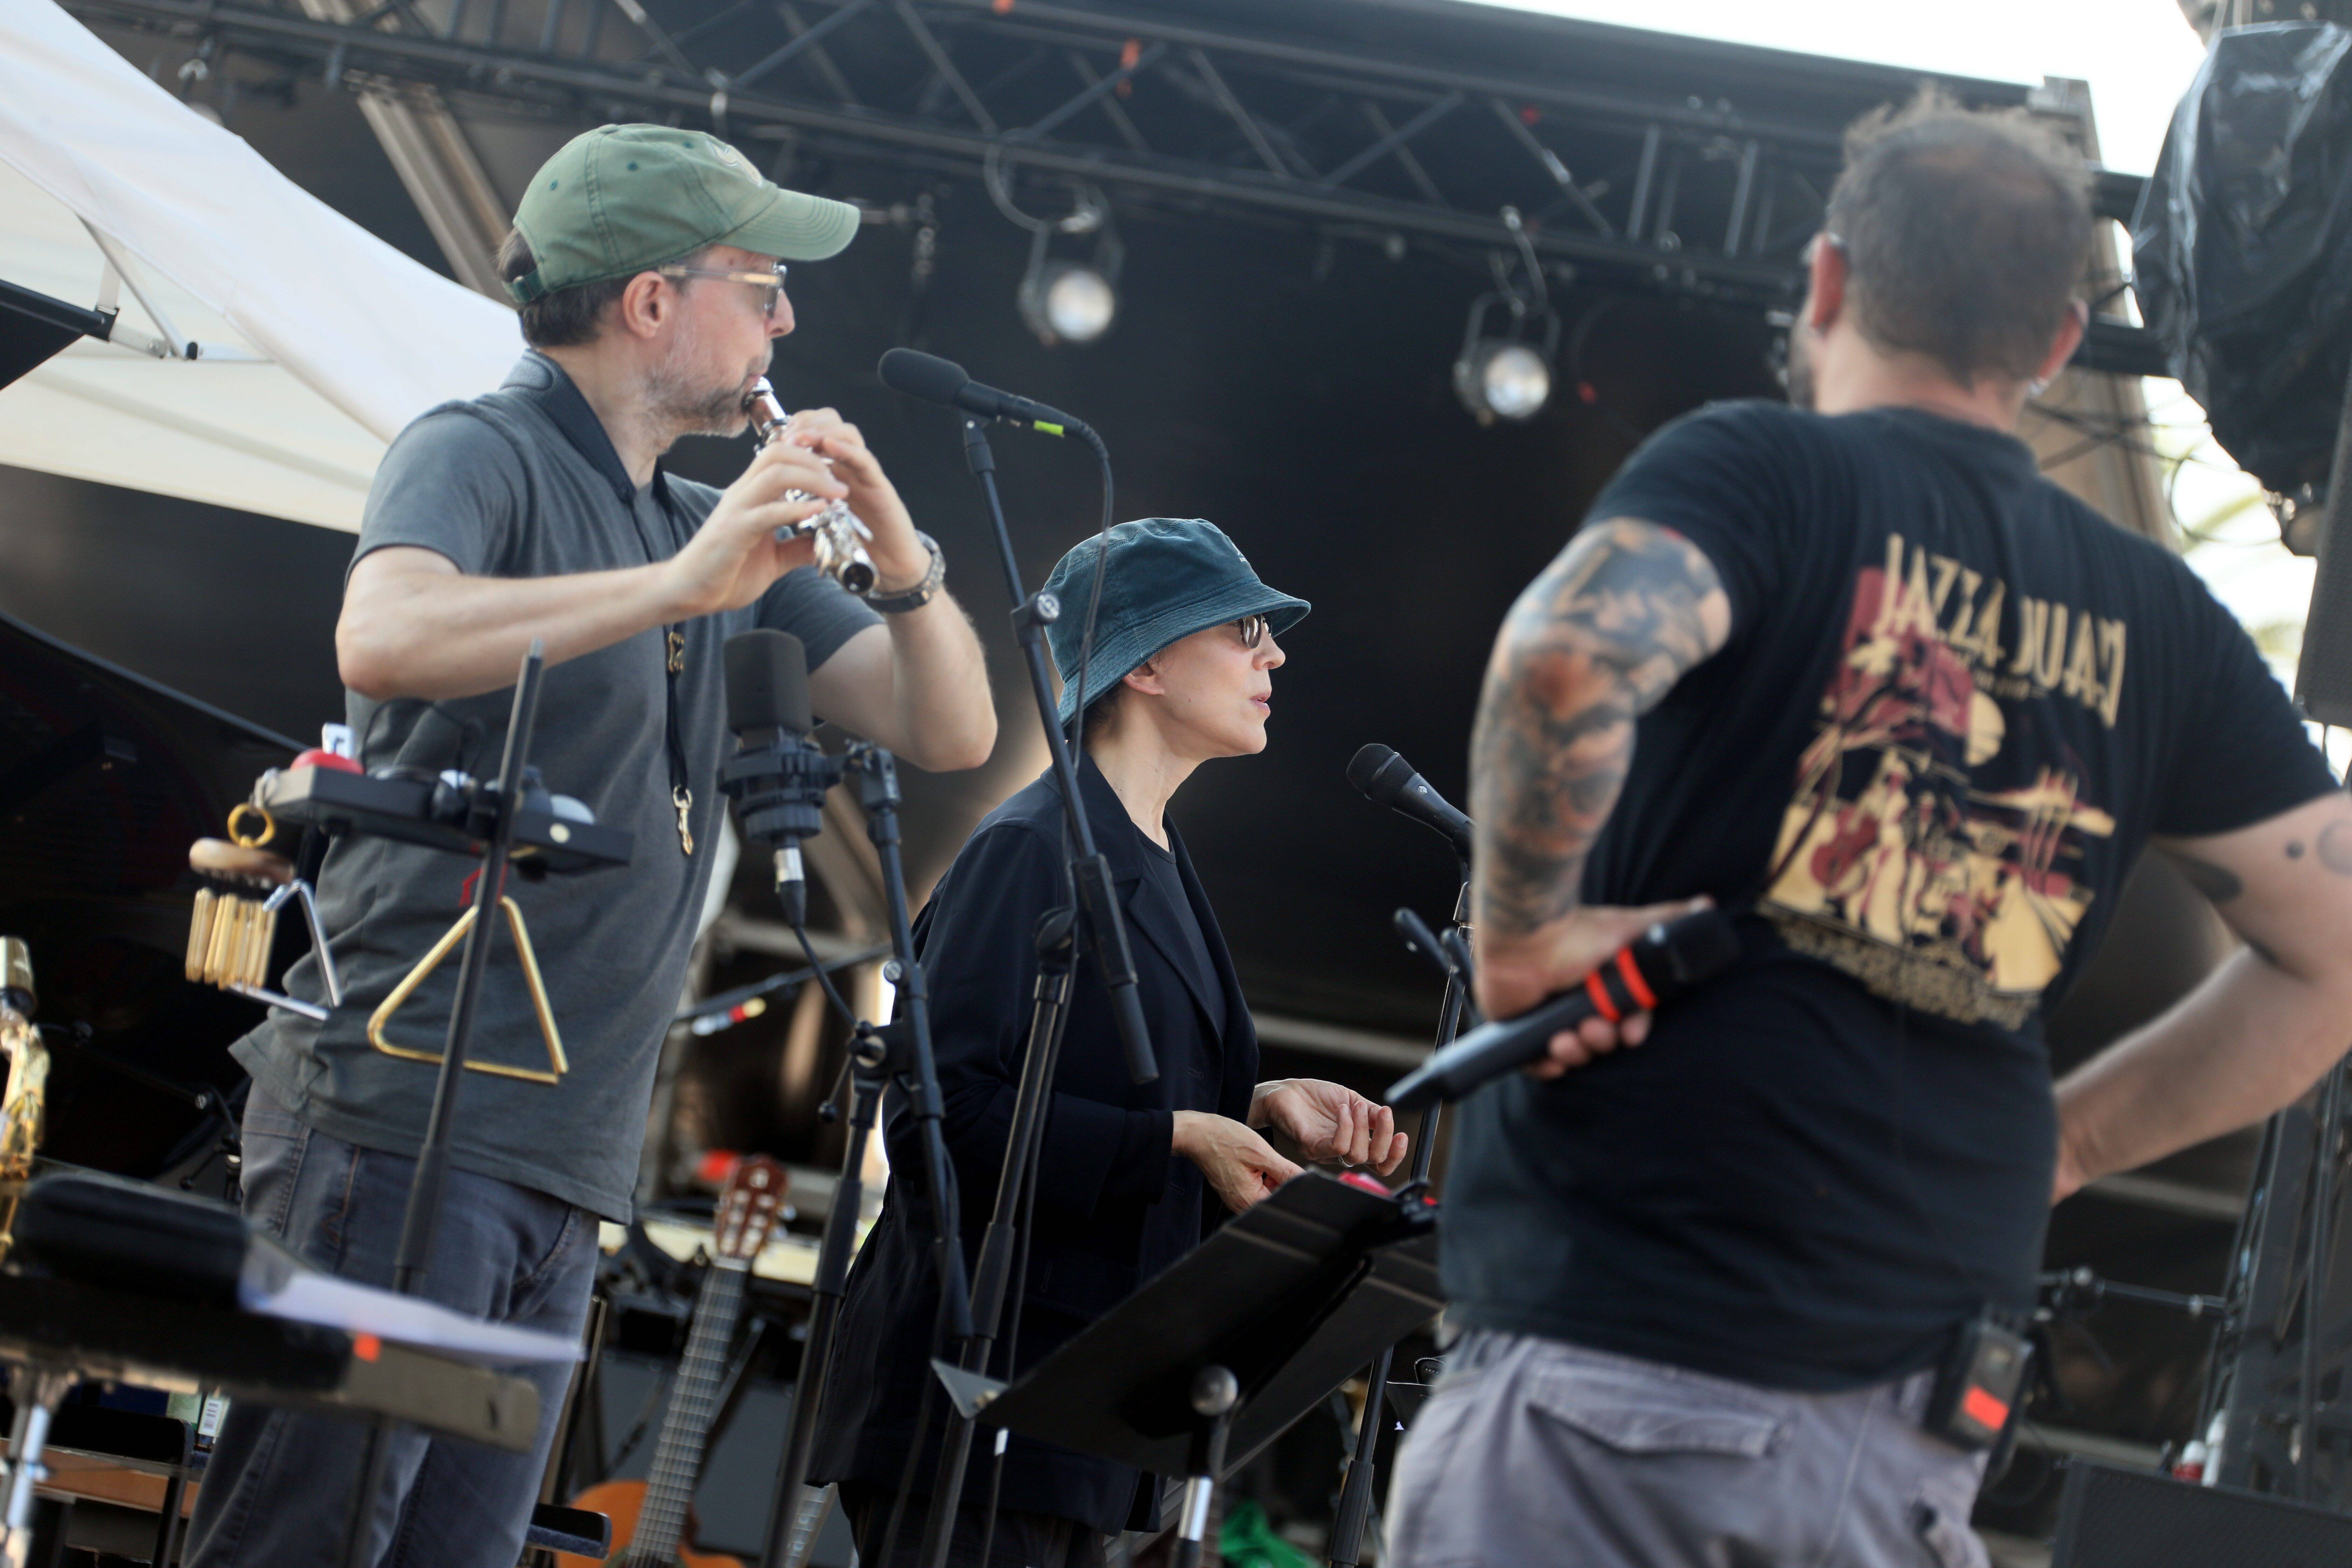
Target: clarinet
x=840, y=551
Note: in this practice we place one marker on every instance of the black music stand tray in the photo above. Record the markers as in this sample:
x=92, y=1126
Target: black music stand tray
x=1213, y=1360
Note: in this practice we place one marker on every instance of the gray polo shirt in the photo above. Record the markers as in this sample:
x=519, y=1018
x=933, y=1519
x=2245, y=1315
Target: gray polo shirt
x=525, y=483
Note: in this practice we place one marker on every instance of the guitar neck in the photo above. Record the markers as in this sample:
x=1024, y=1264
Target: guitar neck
x=678, y=1459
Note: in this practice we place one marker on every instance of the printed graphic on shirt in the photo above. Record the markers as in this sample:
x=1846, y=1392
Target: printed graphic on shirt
x=1892, y=864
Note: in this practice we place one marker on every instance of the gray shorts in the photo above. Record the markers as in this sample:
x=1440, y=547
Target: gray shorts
x=1535, y=1452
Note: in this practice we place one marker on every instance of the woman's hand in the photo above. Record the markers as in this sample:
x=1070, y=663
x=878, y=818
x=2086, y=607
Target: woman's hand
x=1331, y=1122
x=1240, y=1165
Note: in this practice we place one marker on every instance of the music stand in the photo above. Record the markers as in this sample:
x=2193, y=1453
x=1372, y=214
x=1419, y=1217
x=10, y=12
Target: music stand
x=1208, y=1364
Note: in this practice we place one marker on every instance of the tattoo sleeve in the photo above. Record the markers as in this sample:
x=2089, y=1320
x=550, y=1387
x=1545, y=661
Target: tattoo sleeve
x=1595, y=641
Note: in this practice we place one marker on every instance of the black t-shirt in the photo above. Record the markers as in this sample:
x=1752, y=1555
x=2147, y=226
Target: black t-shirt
x=1954, y=704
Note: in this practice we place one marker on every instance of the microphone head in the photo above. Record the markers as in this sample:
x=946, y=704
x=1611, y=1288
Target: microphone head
x=767, y=682
x=1695, y=946
x=919, y=375
x=1379, y=772
x=1366, y=763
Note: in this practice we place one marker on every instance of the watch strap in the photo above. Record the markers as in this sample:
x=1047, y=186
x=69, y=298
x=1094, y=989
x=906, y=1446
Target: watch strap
x=922, y=592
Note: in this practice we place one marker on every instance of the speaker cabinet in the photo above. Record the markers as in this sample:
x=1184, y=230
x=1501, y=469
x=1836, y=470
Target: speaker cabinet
x=2113, y=1518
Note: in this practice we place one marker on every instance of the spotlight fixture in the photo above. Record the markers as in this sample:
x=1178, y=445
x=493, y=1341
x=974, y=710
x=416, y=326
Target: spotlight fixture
x=1065, y=302
x=1505, y=376
x=1071, y=301
x=1499, y=379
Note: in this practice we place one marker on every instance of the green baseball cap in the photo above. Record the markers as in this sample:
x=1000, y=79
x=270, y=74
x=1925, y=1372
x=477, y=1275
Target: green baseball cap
x=622, y=198
x=1164, y=578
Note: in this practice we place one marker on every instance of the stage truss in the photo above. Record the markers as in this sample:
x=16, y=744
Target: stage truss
x=1630, y=188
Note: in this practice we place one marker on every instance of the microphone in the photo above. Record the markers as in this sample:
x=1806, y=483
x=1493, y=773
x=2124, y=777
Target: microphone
x=778, y=777
x=936, y=380
x=767, y=686
x=1667, y=960
x=1387, y=779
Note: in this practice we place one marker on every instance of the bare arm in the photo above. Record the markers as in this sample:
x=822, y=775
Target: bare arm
x=414, y=626
x=916, y=684
x=1593, y=643
x=2261, y=1028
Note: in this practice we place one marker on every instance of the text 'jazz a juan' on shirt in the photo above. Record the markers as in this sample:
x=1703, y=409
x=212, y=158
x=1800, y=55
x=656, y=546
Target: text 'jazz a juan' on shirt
x=1954, y=705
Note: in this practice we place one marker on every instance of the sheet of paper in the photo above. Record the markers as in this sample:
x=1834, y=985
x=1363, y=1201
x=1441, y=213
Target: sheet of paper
x=278, y=1286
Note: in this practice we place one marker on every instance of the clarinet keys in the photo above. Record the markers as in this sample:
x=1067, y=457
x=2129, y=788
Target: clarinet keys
x=840, y=537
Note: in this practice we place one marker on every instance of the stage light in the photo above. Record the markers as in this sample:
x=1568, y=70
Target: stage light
x=1499, y=378
x=1065, y=302
x=1507, y=374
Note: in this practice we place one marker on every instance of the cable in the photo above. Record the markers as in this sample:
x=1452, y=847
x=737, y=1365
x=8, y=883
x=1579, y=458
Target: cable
x=823, y=977
x=1094, y=595
x=1086, y=216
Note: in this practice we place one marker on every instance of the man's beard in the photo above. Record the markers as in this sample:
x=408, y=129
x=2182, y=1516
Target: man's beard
x=1801, y=366
x=691, y=404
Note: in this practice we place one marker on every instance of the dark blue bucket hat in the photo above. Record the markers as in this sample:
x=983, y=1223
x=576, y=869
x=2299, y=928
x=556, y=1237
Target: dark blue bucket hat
x=1164, y=578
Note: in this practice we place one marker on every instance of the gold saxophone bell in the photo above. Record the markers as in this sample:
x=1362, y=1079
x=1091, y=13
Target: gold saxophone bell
x=22, y=1105
x=840, y=537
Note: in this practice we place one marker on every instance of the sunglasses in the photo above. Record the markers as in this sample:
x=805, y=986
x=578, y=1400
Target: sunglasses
x=1253, y=629
x=771, y=284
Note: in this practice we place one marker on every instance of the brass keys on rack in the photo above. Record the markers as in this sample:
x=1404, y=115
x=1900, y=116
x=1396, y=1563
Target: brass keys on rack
x=236, y=922
x=234, y=925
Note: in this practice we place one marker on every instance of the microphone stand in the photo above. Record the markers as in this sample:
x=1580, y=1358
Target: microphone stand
x=422, y=1217
x=1102, y=934
x=899, y=1050
x=1356, y=1492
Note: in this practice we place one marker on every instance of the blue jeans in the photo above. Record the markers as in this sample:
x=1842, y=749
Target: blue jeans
x=277, y=1491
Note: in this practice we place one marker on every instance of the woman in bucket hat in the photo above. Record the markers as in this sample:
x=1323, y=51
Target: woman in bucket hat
x=1132, y=1176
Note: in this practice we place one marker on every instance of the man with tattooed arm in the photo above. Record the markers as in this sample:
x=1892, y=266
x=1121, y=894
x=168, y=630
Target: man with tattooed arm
x=1856, y=671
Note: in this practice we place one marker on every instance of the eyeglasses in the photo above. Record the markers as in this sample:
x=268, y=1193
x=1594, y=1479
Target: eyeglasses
x=772, y=282
x=1253, y=629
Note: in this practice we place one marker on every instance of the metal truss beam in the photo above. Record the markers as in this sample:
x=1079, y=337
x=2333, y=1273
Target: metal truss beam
x=1670, y=194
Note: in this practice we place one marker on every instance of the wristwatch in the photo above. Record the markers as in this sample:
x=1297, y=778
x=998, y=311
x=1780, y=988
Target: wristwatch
x=916, y=597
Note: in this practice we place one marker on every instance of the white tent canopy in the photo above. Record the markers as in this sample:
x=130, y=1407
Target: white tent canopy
x=318, y=341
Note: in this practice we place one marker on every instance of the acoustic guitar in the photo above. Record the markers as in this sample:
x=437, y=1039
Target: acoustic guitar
x=652, y=1518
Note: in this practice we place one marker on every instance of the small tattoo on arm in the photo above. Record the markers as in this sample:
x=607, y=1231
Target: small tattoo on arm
x=1593, y=643
x=2294, y=848
x=2217, y=883
x=2335, y=847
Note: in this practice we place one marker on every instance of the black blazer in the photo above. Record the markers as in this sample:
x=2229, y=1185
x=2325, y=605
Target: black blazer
x=1114, y=1205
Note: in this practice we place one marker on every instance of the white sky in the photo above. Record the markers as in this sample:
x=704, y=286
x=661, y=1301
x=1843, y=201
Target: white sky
x=2138, y=56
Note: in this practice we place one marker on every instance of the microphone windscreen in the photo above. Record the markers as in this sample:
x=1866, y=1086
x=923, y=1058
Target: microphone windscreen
x=1699, y=945
x=927, y=376
x=767, y=682
x=1367, y=762
x=1381, y=774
